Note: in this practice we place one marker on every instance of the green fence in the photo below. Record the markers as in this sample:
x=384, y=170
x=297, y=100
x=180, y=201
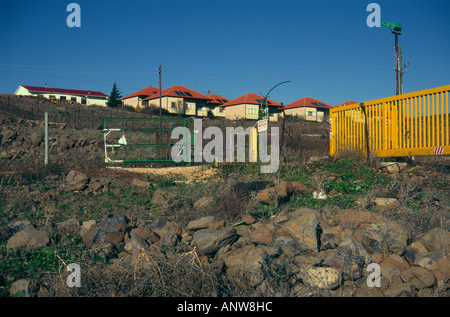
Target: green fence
x=137, y=140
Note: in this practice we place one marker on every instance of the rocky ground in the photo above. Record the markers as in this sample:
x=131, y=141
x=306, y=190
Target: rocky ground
x=315, y=228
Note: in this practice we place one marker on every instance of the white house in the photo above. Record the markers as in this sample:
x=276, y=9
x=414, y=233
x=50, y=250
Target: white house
x=84, y=97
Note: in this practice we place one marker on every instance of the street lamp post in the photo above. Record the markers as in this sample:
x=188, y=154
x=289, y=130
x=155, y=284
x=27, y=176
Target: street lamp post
x=396, y=29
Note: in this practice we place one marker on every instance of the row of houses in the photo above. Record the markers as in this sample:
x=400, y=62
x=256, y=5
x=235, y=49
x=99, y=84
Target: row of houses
x=185, y=101
x=182, y=100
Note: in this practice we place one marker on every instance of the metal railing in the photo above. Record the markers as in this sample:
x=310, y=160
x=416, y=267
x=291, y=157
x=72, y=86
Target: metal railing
x=411, y=124
x=131, y=140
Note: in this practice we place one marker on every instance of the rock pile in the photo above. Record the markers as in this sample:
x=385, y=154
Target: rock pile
x=302, y=253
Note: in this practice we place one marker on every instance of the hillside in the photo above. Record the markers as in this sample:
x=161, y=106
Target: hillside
x=310, y=229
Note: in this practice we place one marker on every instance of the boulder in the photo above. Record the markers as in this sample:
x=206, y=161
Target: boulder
x=202, y=223
x=204, y=202
x=383, y=203
x=76, y=180
x=421, y=277
x=320, y=277
x=23, y=288
x=436, y=239
x=146, y=233
x=349, y=258
x=246, y=264
x=161, y=197
x=110, y=230
x=262, y=235
x=400, y=290
x=140, y=183
x=29, y=238
x=352, y=219
x=95, y=186
x=385, y=237
x=69, y=226
x=209, y=241
x=275, y=195
x=303, y=227
x=85, y=227
x=393, y=167
x=135, y=243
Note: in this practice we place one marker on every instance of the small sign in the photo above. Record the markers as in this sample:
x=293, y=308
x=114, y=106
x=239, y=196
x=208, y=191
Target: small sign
x=262, y=125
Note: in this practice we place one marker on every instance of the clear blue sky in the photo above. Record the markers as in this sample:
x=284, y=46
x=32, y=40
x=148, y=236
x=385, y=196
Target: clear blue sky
x=228, y=47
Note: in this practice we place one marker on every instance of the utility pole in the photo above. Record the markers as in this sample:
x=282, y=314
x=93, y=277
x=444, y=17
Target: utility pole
x=159, y=80
x=396, y=29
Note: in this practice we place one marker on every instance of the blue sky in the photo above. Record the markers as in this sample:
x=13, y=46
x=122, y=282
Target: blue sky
x=227, y=47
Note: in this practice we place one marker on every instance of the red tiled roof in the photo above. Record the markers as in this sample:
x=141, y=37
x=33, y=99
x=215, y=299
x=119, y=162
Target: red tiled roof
x=65, y=91
x=307, y=102
x=252, y=99
x=147, y=91
x=350, y=102
x=179, y=91
x=218, y=99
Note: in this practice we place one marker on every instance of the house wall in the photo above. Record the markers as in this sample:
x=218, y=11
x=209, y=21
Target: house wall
x=307, y=113
x=246, y=111
x=133, y=101
x=217, y=113
x=193, y=106
x=235, y=112
x=90, y=100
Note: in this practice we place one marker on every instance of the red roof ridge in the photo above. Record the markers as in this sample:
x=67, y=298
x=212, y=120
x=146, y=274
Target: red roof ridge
x=179, y=91
x=308, y=102
x=147, y=91
x=65, y=91
x=250, y=98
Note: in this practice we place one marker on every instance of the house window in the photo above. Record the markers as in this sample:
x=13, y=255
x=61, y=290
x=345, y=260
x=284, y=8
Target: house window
x=52, y=97
x=83, y=101
x=62, y=97
x=173, y=104
x=221, y=110
x=251, y=111
x=73, y=98
x=310, y=114
x=145, y=102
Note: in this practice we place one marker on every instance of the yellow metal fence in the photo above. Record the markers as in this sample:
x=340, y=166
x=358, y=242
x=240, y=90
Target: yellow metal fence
x=411, y=124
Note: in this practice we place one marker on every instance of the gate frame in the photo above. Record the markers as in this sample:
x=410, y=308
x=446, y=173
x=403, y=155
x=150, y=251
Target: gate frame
x=106, y=131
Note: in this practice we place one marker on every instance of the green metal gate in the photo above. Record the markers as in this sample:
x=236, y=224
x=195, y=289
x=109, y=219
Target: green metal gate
x=130, y=141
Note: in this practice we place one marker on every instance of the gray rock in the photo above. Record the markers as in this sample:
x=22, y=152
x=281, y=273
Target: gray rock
x=29, y=238
x=401, y=290
x=421, y=277
x=320, y=277
x=201, y=223
x=110, y=230
x=69, y=226
x=385, y=237
x=135, y=243
x=20, y=288
x=245, y=264
x=209, y=241
x=203, y=202
x=75, y=177
x=303, y=228
x=349, y=258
